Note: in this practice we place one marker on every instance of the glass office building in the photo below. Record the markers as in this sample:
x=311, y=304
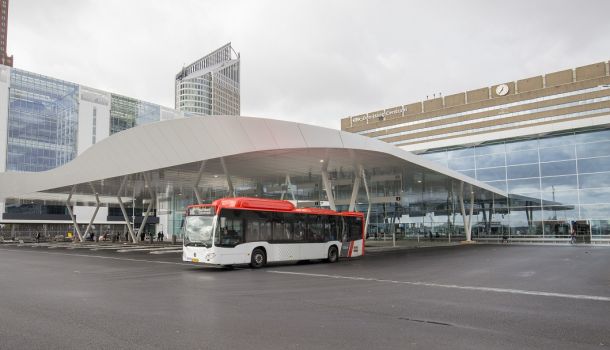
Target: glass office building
x=545, y=140
x=48, y=122
x=42, y=122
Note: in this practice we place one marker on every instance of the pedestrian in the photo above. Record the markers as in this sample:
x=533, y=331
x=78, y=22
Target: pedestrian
x=127, y=236
x=504, y=238
x=37, y=237
x=159, y=236
x=162, y=235
x=142, y=235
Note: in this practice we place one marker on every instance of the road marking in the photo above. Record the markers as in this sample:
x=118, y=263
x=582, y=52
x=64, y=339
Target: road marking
x=157, y=252
x=102, y=257
x=452, y=286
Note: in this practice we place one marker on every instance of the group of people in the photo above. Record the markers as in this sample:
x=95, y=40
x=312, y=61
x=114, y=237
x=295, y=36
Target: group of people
x=160, y=236
x=92, y=236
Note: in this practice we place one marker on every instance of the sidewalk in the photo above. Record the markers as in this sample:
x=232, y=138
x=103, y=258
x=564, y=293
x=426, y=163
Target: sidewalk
x=387, y=245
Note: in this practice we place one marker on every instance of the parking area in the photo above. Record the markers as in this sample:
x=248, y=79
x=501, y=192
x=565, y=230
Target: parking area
x=459, y=297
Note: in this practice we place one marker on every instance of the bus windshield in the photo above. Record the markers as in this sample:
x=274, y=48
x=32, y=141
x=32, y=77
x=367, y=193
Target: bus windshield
x=198, y=231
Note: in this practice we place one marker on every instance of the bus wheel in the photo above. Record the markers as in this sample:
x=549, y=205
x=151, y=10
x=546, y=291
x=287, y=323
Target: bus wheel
x=333, y=254
x=258, y=258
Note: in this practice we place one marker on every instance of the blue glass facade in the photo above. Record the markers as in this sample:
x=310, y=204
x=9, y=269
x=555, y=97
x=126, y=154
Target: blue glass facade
x=42, y=122
x=552, y=180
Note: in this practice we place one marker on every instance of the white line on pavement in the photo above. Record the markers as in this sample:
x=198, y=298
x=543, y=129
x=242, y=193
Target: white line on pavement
x=101, y=257
x=453, y=286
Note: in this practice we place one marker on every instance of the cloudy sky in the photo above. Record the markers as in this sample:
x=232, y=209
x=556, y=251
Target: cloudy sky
x=309, y=61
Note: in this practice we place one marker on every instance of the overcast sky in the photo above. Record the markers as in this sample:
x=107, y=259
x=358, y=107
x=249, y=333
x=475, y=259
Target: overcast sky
x=308, y=61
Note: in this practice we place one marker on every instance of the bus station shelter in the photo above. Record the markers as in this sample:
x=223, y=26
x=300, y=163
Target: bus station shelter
x=162, y=167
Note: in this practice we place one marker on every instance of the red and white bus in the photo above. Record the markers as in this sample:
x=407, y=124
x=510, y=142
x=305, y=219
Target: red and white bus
x=257, y=231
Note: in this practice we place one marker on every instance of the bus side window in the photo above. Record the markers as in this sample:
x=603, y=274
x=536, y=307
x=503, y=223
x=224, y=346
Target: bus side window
x=344, y=230
x=266, y=231
x=253, y=228
x=326, y=228
x=334, y=222
x=354, y=226
x=279, y=232
x=315, y=227
x=297, y=226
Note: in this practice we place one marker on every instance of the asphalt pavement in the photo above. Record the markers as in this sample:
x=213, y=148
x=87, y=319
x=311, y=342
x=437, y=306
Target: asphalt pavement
x=459, y=297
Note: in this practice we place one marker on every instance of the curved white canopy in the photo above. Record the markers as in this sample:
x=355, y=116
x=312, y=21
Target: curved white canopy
x=251, y=147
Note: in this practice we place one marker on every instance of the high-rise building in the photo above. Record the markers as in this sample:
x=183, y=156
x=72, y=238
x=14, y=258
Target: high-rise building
x=210, y=85
x=4, y=58
x=544, y=139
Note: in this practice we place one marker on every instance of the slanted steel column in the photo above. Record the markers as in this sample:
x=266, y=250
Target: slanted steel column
x=368, y=199
x=150, y=204
x=97, y=207
x=196, y=185
x=461, y=199
x=355, y=189
x=229, y=182
x=328, y=186
x=125, y=216
x=288, y=186
x=80, y=237
x=467, y=220
x=469, y=237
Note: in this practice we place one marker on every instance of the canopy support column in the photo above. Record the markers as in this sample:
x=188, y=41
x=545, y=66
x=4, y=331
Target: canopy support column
x=288, y=185
x=80, y=237
x=355, y=189
x=150, y=204
x=125, y=217
x=97, y=208
x=467, y=220
x=469, y=238
x=196, y=185
x=229, y=182
x=327, y=186
x=368, y=199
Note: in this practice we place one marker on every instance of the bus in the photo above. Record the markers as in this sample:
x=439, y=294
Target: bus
x=256, y=231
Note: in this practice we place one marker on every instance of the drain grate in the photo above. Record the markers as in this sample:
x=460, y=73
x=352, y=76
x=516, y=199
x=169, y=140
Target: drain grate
x=425, y=321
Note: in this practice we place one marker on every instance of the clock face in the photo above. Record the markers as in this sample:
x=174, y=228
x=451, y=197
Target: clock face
x=502, y=90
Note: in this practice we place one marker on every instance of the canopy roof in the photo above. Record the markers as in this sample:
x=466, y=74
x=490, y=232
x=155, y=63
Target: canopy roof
x=167, y=156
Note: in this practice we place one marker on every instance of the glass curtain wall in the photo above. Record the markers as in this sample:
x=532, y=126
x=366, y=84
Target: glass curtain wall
x=42, y=122
x=125, y=113
x=553, y=181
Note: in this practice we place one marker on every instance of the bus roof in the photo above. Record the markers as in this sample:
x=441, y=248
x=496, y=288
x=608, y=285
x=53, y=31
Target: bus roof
x=249, y=203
